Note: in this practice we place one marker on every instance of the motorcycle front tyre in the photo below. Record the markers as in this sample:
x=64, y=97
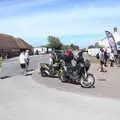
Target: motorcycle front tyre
x=43, y=74
x=62, y=77
x=88, y=81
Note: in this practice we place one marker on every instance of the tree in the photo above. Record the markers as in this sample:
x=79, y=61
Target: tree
x=97, y=45
x=54, y=42
x=91, y=46
x=65, y=47
x=74, y=47
x=118, y=43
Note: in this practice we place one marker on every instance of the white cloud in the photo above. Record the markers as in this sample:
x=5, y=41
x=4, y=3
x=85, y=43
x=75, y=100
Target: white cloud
x=69, y=21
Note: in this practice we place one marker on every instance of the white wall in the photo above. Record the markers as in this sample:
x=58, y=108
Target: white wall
x=40, y=50
x=93, y=51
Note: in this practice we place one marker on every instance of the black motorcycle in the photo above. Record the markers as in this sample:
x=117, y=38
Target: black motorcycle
x=49, y=70
x=53, y=69
x=77, y=72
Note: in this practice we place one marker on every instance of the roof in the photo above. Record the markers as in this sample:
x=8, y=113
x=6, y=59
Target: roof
x=10, y=42
x=22, y=44
x=7, y=42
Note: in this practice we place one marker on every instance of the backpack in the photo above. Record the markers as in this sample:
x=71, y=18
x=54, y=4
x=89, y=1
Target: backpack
x=97, y=56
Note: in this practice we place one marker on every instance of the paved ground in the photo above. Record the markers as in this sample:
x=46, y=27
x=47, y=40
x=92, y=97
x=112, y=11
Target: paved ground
x=107, y=84
x=36, y=98
x=11, y=67
x=21, y=98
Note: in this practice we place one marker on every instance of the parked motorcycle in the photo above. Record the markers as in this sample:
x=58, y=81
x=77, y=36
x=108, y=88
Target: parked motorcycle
x=77, y=72
x=49, y=70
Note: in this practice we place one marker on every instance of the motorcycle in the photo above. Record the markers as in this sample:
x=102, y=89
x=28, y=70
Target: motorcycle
x=49, y=70
x=52, y=70
x=77, y=72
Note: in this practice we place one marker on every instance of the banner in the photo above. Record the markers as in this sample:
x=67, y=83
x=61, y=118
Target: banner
x=111, y=42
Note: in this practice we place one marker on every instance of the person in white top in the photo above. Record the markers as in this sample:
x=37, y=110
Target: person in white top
x=50, y=59
x=27, y=59
x=22, y=60
x=112, y=58
x=75, y=53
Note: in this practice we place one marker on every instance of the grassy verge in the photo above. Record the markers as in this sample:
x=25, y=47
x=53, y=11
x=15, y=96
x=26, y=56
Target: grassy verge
x=93, y=59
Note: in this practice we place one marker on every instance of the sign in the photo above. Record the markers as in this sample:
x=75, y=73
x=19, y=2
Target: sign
x=111, y=41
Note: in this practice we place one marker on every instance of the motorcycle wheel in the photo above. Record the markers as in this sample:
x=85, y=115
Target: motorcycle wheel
x=43, y=74
x=62, y=77
x=87, y=82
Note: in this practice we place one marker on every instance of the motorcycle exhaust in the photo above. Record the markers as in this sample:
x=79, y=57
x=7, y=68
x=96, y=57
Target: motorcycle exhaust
x=47, y=72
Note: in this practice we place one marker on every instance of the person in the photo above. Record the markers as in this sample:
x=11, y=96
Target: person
x=102, y=60
x=37, y=52
x=68, y=56
x=27, y=59
x=106, y=57
x=75, y=53
x=112, y=58
x=52, y=58
x=80, y=57
x=22, y=60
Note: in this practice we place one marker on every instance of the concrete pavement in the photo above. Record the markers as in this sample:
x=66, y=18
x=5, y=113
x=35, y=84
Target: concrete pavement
x=21, y=98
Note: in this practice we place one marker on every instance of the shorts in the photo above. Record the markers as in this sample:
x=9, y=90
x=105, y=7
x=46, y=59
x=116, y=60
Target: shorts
x=22, y=66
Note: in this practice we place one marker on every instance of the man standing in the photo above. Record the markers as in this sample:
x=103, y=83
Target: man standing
x=27, y=59
x=102, y=60
x=112, y=58
x=106, y=57
x=22, y=61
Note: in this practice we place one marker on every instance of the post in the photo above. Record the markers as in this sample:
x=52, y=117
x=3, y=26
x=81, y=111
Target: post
x=0, y=64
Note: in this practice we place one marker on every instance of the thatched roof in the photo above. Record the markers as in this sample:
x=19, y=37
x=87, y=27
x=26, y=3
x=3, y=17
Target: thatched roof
x=22, y=44
x=7, y=42
x=10, y=42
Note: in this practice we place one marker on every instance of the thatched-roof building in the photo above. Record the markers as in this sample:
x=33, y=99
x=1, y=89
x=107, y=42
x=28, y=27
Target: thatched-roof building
x=11, y=46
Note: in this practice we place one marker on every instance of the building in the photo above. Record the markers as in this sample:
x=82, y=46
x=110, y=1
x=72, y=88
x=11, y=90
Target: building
x=93, y=51
x=11, y=46
x=40, y=50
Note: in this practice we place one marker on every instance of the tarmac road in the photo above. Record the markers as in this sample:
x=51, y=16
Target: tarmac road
x=11, y=67
x=21, y=98
x=37, y=98
x=107, y=84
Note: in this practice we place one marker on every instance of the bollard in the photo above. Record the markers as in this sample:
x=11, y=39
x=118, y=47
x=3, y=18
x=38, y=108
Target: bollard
x=0, y=64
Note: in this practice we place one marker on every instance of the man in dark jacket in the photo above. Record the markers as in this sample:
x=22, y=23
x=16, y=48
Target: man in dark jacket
x=68, y=56
x=105, y=57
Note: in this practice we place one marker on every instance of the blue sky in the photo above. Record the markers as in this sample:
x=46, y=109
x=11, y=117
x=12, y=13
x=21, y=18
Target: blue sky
x=81, y=22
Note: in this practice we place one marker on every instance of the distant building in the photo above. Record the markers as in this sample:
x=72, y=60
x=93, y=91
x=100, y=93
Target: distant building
x=40, y=50
x=93, y=51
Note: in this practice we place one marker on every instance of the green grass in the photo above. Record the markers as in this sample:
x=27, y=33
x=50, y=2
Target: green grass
x=93, y=59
